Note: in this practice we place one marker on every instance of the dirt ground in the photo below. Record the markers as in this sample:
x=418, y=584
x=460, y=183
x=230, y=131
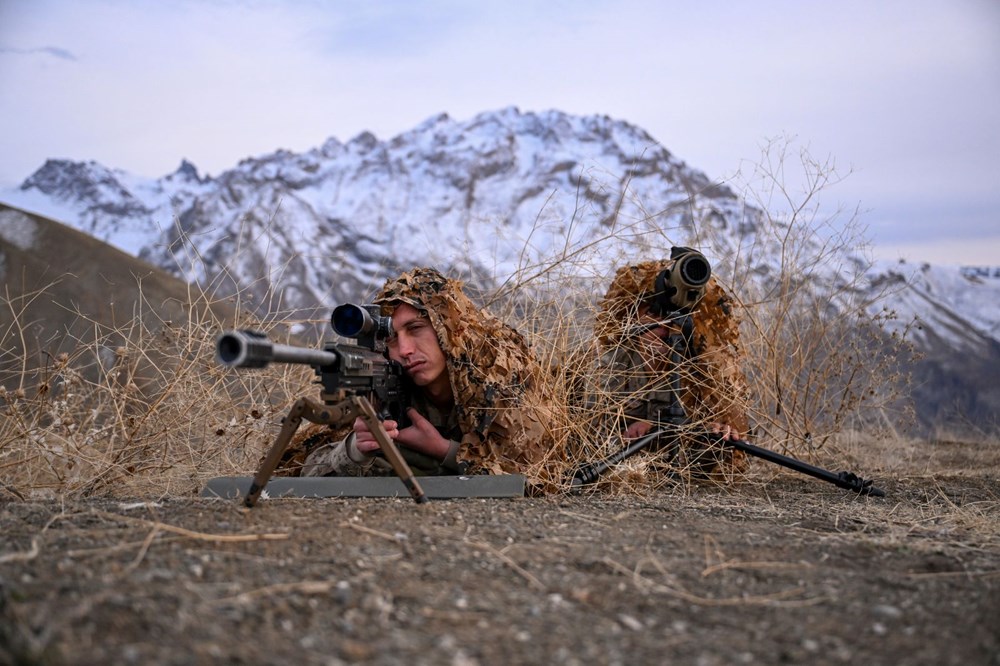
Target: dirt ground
x=785, y=569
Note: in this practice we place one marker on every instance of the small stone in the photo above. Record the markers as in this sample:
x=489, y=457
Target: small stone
x=630, y=622
x=887, y=611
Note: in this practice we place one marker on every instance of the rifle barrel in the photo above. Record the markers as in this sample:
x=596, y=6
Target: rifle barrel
x=589, y=473
x=845, y=480
x=252, y=349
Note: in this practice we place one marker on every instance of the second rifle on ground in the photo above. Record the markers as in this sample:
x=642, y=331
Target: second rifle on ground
x=677, y=290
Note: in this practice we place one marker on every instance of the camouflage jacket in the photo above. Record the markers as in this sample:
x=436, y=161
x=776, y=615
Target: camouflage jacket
x=506, y=419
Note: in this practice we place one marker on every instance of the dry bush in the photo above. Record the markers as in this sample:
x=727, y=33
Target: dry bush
x=823, y=349
x=141, y=408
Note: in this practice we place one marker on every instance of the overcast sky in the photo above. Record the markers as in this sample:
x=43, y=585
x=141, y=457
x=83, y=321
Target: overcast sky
x=904, y=95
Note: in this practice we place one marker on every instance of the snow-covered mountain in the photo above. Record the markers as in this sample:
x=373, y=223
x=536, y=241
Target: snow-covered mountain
x=487, y=197
x=958, y=338
x=481, y=196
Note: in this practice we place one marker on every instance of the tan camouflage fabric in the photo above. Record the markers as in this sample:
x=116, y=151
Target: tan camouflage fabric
x=714, y=386
x=309, y=438
x=501, y=394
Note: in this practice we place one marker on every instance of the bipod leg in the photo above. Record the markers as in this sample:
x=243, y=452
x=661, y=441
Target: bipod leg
x=845, y=480
x=389, y=449
x=303, y=408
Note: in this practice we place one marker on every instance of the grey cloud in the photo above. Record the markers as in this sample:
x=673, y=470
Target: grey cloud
x=53, y=51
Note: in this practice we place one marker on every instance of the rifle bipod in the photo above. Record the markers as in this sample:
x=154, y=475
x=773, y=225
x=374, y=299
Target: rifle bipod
x=339, y=414
x=847, y=480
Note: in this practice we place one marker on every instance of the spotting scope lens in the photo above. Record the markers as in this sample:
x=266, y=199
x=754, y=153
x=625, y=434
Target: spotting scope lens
x=682, y=285
x=695, y=269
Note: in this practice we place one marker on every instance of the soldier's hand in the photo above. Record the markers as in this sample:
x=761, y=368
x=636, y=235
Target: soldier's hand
x=725, y=430
x=638, y=429
x=422, y=436
x=365, y=440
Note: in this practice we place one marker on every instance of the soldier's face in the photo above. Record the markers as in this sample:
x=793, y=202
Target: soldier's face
x=654, y=340
x=415, y=346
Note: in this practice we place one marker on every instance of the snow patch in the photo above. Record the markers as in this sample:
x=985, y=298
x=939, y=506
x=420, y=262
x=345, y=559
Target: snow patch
x=18, y=229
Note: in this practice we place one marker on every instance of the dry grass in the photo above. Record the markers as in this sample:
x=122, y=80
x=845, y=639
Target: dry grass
x=142, y=408
x=136, y=410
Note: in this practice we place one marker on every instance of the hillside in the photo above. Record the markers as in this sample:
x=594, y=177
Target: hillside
x=69, y=293
x=482, y=197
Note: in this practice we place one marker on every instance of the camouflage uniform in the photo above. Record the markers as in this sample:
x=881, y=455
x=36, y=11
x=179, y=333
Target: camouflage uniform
x=501, y=421
x=713, y=387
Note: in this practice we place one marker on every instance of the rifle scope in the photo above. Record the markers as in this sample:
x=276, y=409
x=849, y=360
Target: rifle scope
x=355, y=321
x=681, y=286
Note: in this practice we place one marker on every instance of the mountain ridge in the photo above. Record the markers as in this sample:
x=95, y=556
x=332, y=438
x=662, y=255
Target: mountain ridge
x=482, y=198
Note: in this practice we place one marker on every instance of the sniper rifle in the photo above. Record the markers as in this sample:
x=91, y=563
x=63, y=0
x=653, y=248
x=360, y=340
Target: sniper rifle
x=354, y=380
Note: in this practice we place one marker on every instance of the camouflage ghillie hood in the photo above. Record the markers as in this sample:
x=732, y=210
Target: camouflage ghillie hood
x=715, y=388
x=495, y=378
x=634, y=285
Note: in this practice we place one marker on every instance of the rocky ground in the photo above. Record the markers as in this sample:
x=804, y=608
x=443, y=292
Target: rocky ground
x=785, y=569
